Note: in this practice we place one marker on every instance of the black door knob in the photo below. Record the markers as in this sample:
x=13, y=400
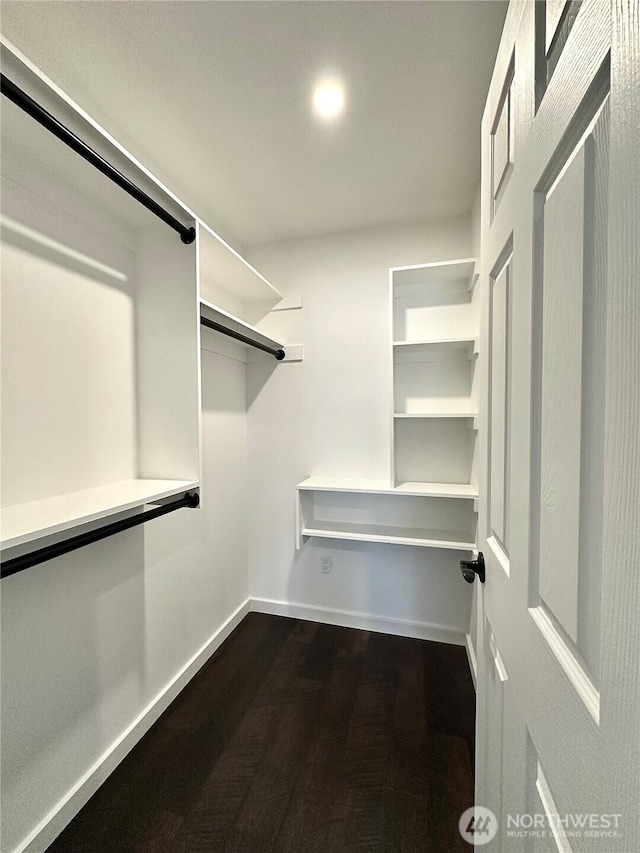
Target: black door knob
x=471, y=568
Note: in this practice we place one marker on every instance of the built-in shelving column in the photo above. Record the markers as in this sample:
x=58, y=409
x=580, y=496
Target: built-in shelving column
x=99, y=339
x=435, y=326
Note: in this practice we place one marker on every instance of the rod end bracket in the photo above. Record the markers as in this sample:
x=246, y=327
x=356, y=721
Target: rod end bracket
x=188, y=236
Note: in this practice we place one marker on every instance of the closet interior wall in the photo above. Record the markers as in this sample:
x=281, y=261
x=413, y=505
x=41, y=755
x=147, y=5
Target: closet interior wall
x=329, y=417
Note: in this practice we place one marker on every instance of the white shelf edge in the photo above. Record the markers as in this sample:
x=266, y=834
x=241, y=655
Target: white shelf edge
x=434, y=342
x=461, y=491
x=225, y=318
x=435, y=265
x=337, y=484
x=401, y=415
x=288, y=303
x=475, y=275
x=64, y=512
x=444, y=345
x=389, y=539
x=458, y=491
x=409, y=280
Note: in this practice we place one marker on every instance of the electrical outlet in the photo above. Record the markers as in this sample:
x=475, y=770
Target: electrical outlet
x=325, y=565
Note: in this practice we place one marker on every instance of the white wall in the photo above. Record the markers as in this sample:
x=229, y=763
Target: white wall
x=330, y=415
x=91, y=639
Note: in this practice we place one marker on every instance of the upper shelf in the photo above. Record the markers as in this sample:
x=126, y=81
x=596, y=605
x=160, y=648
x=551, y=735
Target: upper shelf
x=28, y=522
x=225, y=269
x=464, y=270
x=435, y=414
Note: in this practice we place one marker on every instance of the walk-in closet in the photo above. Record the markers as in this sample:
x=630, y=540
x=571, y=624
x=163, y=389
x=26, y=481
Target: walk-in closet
x=319, y=389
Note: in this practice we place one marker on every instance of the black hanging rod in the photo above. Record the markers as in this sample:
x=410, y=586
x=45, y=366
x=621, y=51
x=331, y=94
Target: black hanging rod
x=43, y=117
x=217, y=327
x=33, y=558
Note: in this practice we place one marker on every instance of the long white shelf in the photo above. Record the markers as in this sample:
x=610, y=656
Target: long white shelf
x=230, y=321
x=438, y=490
x=382, y=487
x=441, y=272
x=28, y=522
x=440, y=344
x=436, y=415
x=448, y=539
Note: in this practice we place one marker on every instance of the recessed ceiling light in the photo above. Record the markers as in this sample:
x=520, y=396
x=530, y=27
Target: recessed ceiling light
x=328, y=100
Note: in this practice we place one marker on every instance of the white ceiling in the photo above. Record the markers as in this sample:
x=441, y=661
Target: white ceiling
x=214, y=97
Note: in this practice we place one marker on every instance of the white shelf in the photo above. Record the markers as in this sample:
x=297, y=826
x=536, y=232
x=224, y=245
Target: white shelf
x=382, y=487
x=230, y=321
x=462, y=270
x=392, y=535
x=345, y=484
x=227, y=269
x=444, y=344
x=437, y=490
x=28, y=522
x=436, y=415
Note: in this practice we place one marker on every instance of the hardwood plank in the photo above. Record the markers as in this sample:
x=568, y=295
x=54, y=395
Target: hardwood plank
x=249, y=788
x=357, y=815
x=405, y=823
x=307, y=822
x=407, y=766
x=450, y=697
x=450, y=791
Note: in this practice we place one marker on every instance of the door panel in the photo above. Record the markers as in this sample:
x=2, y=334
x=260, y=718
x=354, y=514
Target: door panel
x=569, y=400
x=561, y=323
x=499, y=482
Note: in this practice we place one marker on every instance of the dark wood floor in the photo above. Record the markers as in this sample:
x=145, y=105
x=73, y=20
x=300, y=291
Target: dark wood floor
x=297, y=737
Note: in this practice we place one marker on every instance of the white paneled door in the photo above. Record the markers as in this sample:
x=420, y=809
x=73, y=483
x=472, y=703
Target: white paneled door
x=558, y=752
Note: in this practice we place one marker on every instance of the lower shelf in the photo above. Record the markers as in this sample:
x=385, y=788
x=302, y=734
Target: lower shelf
x=426, y=515
x=382, y=487
x=29, y=522
x=393, y=535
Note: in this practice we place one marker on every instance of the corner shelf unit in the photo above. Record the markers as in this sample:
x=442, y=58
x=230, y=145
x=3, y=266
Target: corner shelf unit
x=434, y=417
x=424, y=515
x=430, y=499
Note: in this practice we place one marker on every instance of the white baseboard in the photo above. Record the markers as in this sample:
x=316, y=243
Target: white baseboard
x=67, y=808
x=348, y=619
x=473, y=663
